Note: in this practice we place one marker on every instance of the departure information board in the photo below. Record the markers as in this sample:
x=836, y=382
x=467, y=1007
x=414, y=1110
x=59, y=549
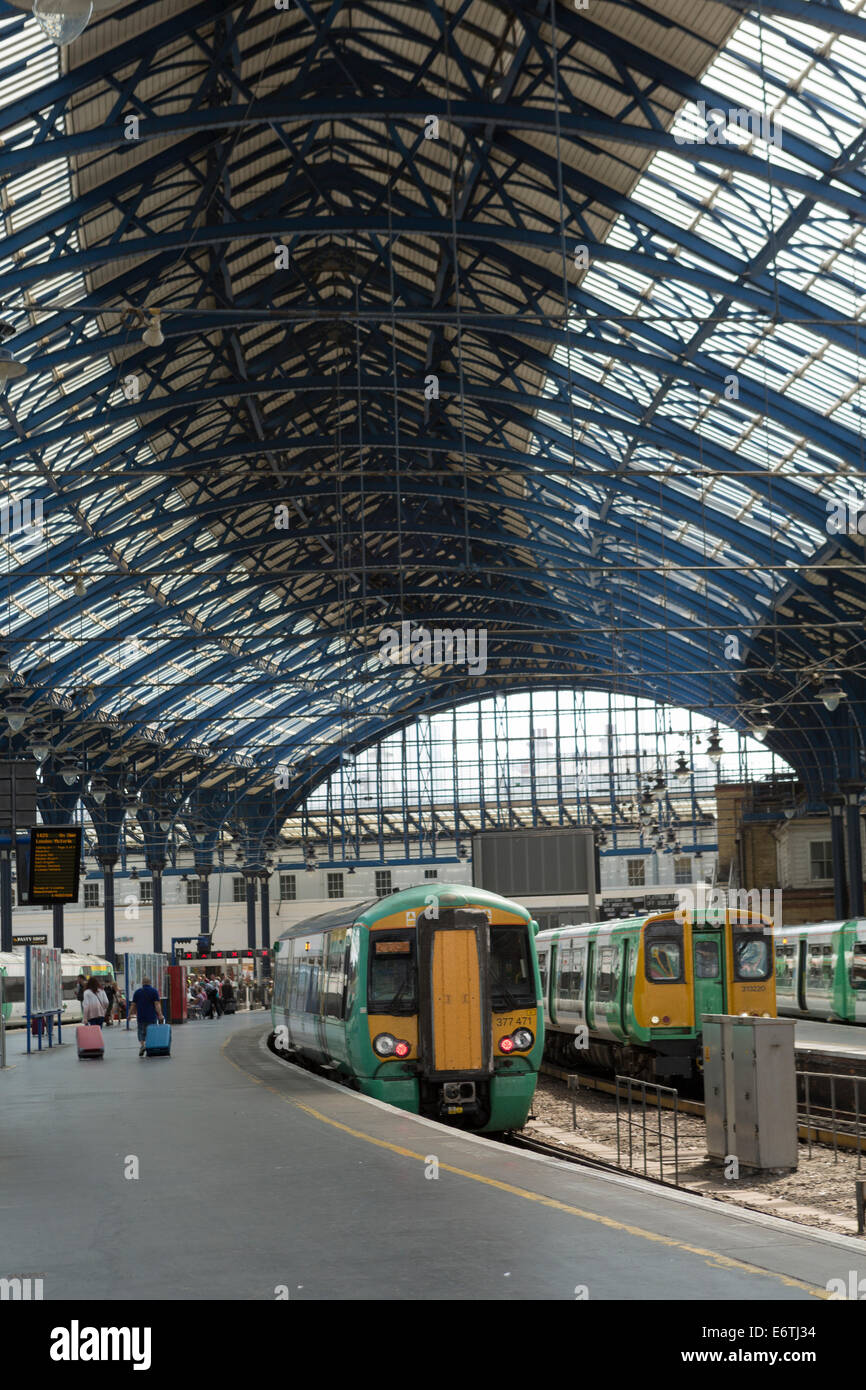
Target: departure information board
x=55, y=862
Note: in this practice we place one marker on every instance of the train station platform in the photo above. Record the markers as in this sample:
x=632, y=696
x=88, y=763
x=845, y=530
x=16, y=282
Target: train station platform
x=843, y=1040
x=256, y=1178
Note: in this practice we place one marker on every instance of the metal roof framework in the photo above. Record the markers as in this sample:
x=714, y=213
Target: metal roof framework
x=472, y=319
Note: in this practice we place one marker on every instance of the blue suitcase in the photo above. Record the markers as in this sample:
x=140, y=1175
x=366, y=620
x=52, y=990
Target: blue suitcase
x=157, y=1040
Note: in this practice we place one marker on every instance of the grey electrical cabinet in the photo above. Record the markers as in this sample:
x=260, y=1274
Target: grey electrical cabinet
x=750, y=1090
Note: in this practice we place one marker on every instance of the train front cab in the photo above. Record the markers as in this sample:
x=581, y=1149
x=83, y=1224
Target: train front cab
x=455, y=1032
x=696, y=967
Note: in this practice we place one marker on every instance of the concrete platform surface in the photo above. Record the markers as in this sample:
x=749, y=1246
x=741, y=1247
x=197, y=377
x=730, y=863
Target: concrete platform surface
x=840, y=1039
x=256, y=1179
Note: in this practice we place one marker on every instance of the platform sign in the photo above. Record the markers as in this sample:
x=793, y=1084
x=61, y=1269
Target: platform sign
x=31, y=939
x=55, y=864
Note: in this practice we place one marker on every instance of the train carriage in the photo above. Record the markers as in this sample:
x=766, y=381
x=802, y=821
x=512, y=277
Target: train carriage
x=821, y=971
x=428, y=999
x=630, y=994
x=72, y=964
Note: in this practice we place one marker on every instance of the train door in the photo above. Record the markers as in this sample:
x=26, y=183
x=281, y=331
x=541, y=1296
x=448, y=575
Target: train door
x=453, y=954
x=857, y=975
x=819, y=978
x=709, y=974
x=801, y=975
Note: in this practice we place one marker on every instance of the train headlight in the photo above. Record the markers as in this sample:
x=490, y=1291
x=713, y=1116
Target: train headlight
x=655, y=1019
x=506, y=1044
x=523, y=1039
x=402, y=1049
x=385, y=1045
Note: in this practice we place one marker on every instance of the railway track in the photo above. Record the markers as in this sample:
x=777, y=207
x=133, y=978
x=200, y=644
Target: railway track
x=547, y=1150
x=817, y=1125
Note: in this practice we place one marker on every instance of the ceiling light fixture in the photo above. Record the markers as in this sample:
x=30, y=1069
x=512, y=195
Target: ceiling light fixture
x=63, y=21
x=153, y=335
x=10, y=369
x=40, y=744
x=98, y=790
x=16, y=715
x=830, y=693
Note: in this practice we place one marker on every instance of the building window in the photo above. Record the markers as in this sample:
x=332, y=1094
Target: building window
x=145, y=892
x=431, y=873
x=636, y=873
x=682, y=870
x=239, y=890
x=383, y=882
x=821, y=859
x=288, y=888
x=193, y=891
x=91, y=895
x=335, y=885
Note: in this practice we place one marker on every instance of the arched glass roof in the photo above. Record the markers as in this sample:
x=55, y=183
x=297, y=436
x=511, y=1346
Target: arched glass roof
x=473, y=318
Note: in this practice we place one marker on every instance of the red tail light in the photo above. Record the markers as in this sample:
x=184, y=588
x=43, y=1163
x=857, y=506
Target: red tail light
x=506, y=1045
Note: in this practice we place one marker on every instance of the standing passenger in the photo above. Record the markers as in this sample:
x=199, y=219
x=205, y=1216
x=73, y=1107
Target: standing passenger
x=147, y=1007
x=94, y=1004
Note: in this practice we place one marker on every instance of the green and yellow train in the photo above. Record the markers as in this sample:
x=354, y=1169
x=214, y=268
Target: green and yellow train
x=428, y=999
x=629, y=995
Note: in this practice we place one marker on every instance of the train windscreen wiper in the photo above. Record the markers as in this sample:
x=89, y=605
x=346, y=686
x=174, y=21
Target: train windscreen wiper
x=501, y=990
x=394, y=1004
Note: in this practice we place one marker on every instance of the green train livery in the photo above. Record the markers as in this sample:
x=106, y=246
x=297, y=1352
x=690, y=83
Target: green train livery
x=821, y=971
x=428, y=999
x=629, y=995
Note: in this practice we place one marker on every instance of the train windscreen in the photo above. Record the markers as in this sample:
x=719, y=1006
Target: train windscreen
x=663, y=953
x=752, y=957
x=393, y=985
x=511, y=982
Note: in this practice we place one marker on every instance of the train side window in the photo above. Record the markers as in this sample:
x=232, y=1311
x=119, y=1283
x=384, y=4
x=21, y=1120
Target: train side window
x=564, y=971
x=816, y=966
x=858, y=966
x=335, y=954
x=353, y=951
x=785, y=964
x=281, y=976
x=312, y=1003
x=294, y=988
x=577, y=971
x=607, y=973
x=543, y=960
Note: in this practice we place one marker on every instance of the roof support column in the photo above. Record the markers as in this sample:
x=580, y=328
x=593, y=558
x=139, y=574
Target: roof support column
x=855, y=851
x=107, y=863
x=204, y=872
x=266, y=920
x=156, y=867
x=837, y=841
x=5, y=900
x=250, y=876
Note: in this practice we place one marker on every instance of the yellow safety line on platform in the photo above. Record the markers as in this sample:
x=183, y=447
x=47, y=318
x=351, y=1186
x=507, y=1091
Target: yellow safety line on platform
x=712, y=1257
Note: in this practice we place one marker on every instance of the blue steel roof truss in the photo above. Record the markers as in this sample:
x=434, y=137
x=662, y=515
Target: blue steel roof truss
x=409, y=259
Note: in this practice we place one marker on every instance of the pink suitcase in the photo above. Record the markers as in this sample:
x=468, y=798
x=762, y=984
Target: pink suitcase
x=90, y=1040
